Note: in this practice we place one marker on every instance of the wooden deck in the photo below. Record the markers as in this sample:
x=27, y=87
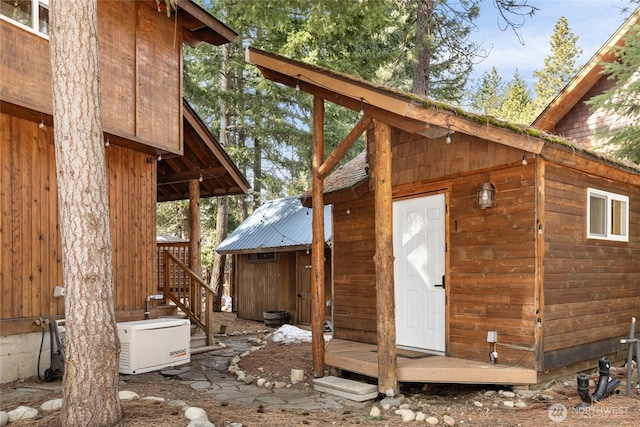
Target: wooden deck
x=362, y=359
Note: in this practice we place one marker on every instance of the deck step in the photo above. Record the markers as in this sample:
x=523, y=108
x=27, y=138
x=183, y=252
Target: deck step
x=198, y=340
x=348, y=389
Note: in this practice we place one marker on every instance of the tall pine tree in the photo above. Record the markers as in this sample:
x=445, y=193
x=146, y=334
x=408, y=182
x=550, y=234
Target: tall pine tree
x=622, y=102
x=488, y=97
x=517, y=106
x=559, y=67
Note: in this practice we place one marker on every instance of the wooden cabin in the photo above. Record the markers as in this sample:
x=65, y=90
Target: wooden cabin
x=568, y=114
x=272, y=262
x=467, y=236
x=144, y=118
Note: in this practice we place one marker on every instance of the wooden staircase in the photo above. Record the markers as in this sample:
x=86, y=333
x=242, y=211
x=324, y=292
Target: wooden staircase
x=192, y=297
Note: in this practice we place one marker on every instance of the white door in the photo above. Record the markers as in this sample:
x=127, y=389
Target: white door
x=419, y=250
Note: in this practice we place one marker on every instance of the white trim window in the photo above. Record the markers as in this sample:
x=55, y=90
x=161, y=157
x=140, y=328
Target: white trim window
x=32, y=15
x=607, y=216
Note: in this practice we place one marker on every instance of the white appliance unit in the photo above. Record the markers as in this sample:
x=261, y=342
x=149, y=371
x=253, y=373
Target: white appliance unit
x=149, y=345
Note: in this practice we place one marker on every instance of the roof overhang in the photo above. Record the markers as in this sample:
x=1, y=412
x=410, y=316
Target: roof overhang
x=398, y=109
x=199, y=26
x=586, y=78
x=204, y=159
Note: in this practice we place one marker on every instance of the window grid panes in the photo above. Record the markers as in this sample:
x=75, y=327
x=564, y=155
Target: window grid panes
x=608, y=216
x=31, y=14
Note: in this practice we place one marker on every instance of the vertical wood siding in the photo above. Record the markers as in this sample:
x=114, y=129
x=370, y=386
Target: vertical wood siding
x=132, y=195
x=30, y=241
x=264, y=285
x=140, y=72
x=30, y=254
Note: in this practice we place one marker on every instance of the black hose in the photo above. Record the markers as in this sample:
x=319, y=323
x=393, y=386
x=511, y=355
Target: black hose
x=615, y=382
x=601, y=389
x=40, y=351
x=583, y=388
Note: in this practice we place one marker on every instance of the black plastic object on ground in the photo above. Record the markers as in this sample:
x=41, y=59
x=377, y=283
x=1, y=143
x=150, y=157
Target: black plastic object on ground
x=605, y=386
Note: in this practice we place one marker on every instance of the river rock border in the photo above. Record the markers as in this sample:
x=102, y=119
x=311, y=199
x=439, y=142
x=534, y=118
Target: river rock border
x=260, y=341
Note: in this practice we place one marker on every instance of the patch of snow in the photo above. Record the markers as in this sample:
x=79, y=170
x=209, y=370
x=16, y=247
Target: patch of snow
x=288, y=334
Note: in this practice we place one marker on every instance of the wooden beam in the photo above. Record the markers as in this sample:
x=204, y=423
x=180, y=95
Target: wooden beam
x=353, y=103
x=406, y=111
x=218, y=151
x=221, y=33
x=325, y=168
x=178, y=177
x=579, y=86
x=383, y=259
x=589, y=163
x=195, y=263
x=360, y=91
x=448, y=120
x=540, y=166
x=317, y=244
x=194, y=226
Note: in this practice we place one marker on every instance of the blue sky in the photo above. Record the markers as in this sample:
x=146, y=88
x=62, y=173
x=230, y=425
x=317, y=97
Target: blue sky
x=593, y=21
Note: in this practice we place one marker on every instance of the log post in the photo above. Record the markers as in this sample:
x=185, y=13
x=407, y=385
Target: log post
x=383, y=259
x=195, y=263
x=317, y=244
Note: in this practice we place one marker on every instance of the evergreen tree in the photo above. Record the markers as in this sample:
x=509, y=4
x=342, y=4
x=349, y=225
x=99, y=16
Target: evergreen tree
x=443, y=54
x=559, y=66
x=268, y=129
x=489, y=95
x=517, y=106
x=622, y=102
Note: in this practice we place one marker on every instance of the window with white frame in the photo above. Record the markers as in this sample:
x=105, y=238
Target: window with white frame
x=607, y=216
x=30, y=14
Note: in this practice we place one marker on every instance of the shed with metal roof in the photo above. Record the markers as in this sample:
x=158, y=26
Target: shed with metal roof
x=271, y=255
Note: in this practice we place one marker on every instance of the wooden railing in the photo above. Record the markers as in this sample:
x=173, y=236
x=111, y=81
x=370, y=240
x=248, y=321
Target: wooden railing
x=193, y=296
x=180, y=250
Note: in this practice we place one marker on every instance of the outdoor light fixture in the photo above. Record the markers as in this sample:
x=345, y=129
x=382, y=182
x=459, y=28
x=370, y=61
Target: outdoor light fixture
x=298, y=83
x=524, y=160
x=41, y=124
x=361, y=107
x=448, y=140
x=486, y=194
x=200, y=179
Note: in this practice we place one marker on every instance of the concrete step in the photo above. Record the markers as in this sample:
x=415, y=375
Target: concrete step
x=198, y=340
x=348, y=389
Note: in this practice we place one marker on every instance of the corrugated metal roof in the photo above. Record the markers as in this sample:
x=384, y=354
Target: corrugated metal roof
x=275, y=226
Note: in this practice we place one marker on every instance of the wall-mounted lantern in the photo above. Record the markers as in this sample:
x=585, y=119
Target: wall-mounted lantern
x=486, y=194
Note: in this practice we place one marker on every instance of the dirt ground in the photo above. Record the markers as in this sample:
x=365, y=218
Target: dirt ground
x=467, y=405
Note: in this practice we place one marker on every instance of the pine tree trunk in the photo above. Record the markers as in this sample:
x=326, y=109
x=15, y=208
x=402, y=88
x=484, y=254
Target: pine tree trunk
x=217, y=270
x=90, y=386
x=423, y=48
x=222, y=213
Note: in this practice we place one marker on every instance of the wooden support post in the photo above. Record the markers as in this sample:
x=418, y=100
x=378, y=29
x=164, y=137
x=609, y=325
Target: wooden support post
x=194, y=226
x=317, y=244
x=383, y=259
x=195, y=263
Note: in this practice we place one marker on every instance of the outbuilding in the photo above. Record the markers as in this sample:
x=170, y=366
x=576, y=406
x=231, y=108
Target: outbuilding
x=474, y=251
x=272, y=262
